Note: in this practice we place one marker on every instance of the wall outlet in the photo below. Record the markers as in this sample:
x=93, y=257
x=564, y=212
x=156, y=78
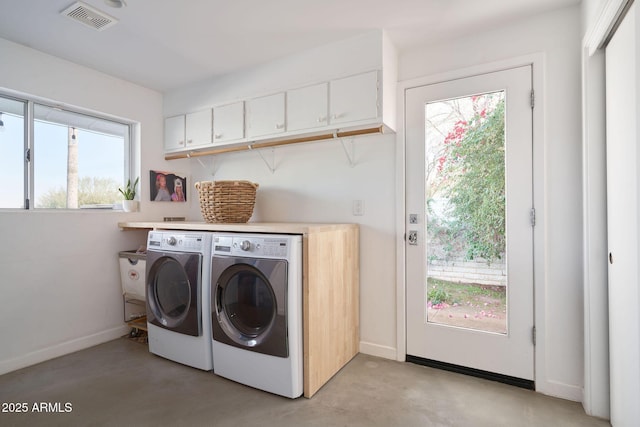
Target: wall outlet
x=358, y=207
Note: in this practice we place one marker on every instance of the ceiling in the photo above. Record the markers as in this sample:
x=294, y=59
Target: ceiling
x=167, y=44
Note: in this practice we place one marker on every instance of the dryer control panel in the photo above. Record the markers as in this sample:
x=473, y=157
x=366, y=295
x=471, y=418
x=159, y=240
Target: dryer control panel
x=268, y=247
x=173, y=241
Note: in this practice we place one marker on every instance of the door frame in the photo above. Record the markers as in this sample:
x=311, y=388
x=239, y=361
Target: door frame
x=537, y=62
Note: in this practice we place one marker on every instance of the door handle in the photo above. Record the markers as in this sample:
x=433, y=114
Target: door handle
x=413, y=238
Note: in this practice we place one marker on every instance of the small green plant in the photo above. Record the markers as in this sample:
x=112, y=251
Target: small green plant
x=129, y=192
x=437, y=295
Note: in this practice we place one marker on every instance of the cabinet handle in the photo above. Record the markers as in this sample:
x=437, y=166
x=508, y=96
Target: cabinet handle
x=338, y=116
x=322, y=119
x=279, y=125
x=217, y=136
x=189, y=141
x=180, y=142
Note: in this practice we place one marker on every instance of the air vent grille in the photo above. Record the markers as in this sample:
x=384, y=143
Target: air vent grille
x=89, y=16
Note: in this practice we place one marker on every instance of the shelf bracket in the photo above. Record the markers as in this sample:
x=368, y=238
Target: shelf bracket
x=211, y=171
x=270, y=165
x=349, y=152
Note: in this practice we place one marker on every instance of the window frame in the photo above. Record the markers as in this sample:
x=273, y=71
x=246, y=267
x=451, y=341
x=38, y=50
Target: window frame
x=130, y=161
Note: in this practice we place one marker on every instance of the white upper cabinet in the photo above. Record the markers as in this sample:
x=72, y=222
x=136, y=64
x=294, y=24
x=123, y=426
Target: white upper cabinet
x=351, y=103
x=228, y=123
x=198, y=128
x=265, y=116
x=354, y=99
x=174, y=133
x=187, y=131
x=308, y=107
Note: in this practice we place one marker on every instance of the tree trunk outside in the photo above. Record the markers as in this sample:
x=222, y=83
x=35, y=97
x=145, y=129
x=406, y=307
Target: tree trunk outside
x=72, y=170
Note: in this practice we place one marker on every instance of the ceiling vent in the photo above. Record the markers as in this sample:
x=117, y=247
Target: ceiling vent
x=89, y=16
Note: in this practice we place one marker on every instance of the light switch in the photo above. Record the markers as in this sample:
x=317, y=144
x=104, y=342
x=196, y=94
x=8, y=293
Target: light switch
x=358, y=207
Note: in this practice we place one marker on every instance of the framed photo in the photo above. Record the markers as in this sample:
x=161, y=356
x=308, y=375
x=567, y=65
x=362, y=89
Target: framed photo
x=167, y=187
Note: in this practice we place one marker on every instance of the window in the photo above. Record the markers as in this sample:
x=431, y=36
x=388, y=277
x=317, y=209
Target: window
x=56, y=158
x=12, y=149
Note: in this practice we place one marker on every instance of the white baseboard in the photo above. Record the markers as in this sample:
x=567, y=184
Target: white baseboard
x=550, y=388
x=61, y=349
x=563, y=391
x=378, y=350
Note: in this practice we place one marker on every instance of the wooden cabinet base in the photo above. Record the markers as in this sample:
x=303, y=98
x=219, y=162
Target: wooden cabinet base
x=331, y=316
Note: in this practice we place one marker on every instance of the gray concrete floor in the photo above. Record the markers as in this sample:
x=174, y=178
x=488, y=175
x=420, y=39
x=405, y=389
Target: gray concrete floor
x=120, y=383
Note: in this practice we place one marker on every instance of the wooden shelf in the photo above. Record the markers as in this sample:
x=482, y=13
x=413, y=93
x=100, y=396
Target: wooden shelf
x=304, y=228
x=139, y=323
x=274, y=143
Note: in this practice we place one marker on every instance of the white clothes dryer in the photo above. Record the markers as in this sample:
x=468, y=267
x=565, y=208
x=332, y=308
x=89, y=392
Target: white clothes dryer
x=178, y=297
x=256, y=301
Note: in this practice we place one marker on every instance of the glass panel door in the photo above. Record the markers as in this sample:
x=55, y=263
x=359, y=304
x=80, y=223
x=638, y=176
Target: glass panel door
x=469, y=255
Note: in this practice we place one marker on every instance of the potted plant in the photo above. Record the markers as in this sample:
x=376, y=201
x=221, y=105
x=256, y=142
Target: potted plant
x=129, y=193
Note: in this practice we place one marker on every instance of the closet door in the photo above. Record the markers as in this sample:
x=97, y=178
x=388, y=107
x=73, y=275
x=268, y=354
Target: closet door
x=623, y=212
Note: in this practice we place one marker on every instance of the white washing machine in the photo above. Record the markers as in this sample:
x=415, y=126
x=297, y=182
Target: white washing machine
x=256, y=301
x=178, y=297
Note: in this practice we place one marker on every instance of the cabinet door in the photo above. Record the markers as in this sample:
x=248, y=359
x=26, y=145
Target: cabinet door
x=354, y=98
x=174, y=133
x=198, y=128
x=265, y=115
x=228, y=123
x=307, y=107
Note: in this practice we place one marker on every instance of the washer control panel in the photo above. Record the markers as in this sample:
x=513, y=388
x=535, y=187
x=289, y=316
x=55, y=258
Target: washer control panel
x=173, y=241
x=272, y=247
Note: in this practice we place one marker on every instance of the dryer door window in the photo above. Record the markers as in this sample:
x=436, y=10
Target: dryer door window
x=172, y=290
x=172, y=293
x=246, y=304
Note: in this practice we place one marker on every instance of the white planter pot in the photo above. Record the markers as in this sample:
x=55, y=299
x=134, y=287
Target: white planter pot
x=130, y=205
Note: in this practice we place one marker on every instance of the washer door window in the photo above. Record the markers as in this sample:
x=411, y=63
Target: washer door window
x=172, y=290
x=251, y=307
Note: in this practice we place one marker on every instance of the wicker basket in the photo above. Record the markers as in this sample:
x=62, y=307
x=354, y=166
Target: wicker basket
x=227, y=201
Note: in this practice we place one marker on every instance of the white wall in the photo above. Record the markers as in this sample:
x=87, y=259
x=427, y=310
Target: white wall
x=314, y=182
x=59, y=280
x=343, y=58
x=596, y=308
x=555, y=37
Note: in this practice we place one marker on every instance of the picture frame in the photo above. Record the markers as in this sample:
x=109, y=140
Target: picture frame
x=167, y=186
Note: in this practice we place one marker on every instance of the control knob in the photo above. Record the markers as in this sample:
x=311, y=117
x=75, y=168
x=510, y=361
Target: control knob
x=172, y=241
x=245, y=245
